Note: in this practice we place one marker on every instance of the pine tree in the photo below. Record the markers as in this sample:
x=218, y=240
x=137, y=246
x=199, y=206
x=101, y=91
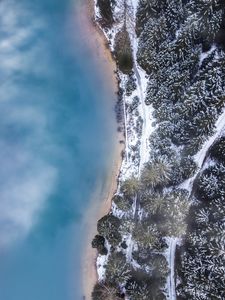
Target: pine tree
x=104, y=291
x=130, y=187
x=117, y=269
x=145, y=235
x=105, y=8
x=156, y=172
x=123, y=203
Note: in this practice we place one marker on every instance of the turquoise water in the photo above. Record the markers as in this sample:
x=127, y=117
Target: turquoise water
x=55, y=138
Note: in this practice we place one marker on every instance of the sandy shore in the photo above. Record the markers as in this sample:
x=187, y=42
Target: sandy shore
x=101, y=202
x=95, y=39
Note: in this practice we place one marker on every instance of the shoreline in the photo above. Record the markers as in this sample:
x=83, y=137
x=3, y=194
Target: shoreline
x=101, y=201
x=97, y=41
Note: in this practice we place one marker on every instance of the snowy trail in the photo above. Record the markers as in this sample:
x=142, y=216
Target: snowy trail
x=144, y=110
x=145, y=134
x=171, y=261
x=220, y=124
x=201, y=155
x=125, y=126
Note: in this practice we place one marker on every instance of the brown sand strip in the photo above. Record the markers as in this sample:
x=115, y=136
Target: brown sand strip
x=101, y=202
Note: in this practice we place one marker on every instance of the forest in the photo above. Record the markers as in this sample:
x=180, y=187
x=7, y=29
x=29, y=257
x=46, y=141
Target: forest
x=177, y=204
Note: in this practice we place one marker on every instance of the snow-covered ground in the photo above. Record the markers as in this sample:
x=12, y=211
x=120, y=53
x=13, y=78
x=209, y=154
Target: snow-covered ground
x=101, y=262
x=145, y=111
x=170, y=256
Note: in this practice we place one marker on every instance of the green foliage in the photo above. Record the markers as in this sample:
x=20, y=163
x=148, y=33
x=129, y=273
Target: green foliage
x=147, y=236
x=210, y=184
x=153, y=203
x=160, y=267
x=108, y=227
x=137, y=290
x=203, y=257
x=117, y=270
x=127, y=226
x=105, y=9
x=123, y=51
x=130, y=87
x=124, y=203
x=156, y=173
x=108, y=223
x=168, y=210
x=187, y=93
x=104, y=291
x=130, y=187
x=188, y=167
x=174, y=213
x=142, y=286
x=114, y=238
x=217, y=151
x=99, y=243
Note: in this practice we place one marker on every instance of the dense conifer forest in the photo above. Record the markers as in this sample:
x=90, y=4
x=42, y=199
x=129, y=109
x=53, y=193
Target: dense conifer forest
x=165, y=235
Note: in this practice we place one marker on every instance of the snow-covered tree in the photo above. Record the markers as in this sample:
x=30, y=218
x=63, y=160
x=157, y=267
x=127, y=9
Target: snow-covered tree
x=156, y=172
x=217, y=151
x=210, y=184
x=108, y=227
x=117, y=269
x=130, y=187
x=103, y=291
x=123, y=203
x=146, y=235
